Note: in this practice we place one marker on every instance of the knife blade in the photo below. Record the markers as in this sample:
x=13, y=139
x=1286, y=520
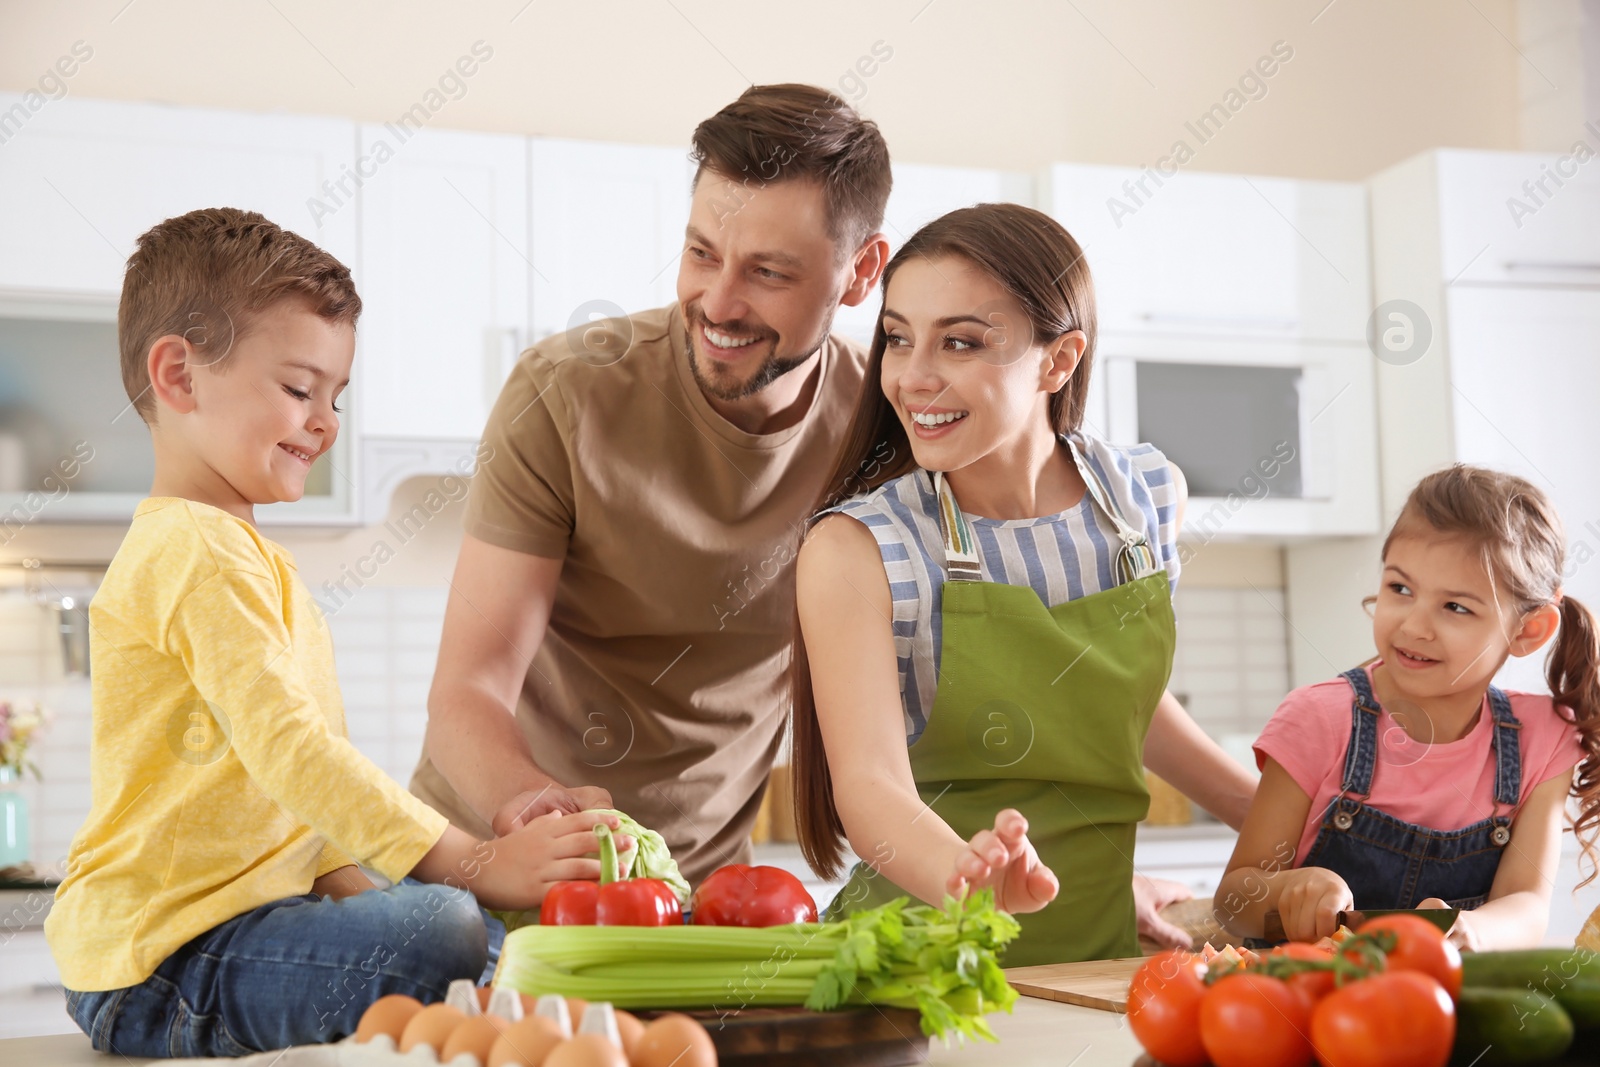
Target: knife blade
x=1443, y=918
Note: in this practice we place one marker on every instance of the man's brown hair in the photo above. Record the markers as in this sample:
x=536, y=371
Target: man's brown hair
x=206, y=275
x=777, y=132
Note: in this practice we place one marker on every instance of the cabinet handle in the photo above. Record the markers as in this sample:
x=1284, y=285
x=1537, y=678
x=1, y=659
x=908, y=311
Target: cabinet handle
x=1249, y=322
x=1551, y=264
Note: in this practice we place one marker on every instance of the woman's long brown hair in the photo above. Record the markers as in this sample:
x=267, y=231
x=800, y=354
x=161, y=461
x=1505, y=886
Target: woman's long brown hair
x=1042, y=268
x=1524, y=547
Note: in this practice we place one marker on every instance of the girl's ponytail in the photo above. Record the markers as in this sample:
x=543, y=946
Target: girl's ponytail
x=1573, y=675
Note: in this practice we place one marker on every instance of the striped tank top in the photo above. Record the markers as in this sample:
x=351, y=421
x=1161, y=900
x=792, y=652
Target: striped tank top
x=1062, y=557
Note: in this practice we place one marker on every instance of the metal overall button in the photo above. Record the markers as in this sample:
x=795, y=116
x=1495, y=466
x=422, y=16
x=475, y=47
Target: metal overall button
x=1343, y=820
x=1500, y=836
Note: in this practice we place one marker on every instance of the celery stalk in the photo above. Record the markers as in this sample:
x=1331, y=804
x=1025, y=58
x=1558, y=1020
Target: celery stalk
x=943, y=962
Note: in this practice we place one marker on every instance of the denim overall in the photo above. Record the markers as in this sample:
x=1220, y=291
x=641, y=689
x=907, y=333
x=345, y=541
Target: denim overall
x=1388, y=863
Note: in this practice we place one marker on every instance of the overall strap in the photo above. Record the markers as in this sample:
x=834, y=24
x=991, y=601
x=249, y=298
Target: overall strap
x=1507, y=749
x=1362, y=755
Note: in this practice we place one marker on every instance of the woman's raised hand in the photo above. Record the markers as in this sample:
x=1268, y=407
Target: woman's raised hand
x=1004, y=859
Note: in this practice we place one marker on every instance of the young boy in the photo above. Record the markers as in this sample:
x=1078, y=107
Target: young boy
x=226, y=798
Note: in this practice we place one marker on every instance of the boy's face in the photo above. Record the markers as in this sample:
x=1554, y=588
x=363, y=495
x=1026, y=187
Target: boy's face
x=261, y=422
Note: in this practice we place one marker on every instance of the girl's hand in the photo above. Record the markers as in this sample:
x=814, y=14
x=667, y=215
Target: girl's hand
x=1003, y=858
x=1310, y=902
x=1462, y=933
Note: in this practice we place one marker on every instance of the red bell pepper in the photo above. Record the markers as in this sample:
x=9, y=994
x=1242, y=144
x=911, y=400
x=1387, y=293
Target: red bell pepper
x=569, y=904
x=611, y=901
x=741, y=895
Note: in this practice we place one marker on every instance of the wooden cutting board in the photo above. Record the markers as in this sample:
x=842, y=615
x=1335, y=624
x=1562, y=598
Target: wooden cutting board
x=1099, y=984
x=794, y=1037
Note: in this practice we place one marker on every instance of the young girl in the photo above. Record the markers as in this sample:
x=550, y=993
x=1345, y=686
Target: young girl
x=1413, y=782
x=974, y=682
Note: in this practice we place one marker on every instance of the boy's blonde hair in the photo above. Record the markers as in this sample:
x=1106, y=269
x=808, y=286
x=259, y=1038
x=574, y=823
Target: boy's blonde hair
x=206, y=275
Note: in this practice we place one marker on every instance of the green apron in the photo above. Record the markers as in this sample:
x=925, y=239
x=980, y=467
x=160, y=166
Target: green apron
x=1045, y=709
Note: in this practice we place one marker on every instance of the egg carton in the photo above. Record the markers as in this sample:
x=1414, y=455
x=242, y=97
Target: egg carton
x=382, y=1050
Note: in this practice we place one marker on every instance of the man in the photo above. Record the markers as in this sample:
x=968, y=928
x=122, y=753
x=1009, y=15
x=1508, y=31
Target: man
x=625, y=582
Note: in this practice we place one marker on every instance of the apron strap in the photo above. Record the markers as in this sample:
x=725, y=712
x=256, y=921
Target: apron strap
x=1135, y=557
x=960, y=546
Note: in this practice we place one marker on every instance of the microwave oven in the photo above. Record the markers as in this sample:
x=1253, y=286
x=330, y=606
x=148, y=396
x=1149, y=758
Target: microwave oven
x=1276, y=438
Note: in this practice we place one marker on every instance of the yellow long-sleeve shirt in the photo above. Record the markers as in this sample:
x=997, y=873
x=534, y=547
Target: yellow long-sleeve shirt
x=221, y=774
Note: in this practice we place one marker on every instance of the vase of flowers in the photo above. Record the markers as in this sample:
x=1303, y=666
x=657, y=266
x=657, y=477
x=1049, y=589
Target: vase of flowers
x=20, y=723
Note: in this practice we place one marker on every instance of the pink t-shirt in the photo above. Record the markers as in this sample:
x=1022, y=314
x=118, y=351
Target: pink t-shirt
x=1445, y=786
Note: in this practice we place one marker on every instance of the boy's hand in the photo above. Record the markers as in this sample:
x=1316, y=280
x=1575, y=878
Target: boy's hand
x=1310, y=901
x=341, y=883
x=1004, y=858
x=532, y=803
x=554, y=847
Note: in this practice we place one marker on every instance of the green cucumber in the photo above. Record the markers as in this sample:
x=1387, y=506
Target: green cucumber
x=1508, y=1028
x=1570, y=975
x=1528, y=967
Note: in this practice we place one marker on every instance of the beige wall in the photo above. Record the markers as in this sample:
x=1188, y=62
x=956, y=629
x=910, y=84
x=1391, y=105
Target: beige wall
x=1001, y=84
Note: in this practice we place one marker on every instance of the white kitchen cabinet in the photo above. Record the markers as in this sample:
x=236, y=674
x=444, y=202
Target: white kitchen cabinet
x=1517, y=217
x=608, y=224
x=1218, y=254
x=444, y=277
x=80, y=180
x=921, y=193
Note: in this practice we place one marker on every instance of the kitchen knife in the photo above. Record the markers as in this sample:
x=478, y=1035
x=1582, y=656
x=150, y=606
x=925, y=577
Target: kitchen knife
x=1443, y=918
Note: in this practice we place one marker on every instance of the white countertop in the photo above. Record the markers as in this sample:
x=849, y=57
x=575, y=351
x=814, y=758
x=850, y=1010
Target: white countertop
x=1039, y=1033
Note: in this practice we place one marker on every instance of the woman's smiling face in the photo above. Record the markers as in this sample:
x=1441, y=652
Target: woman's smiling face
x=961, y=366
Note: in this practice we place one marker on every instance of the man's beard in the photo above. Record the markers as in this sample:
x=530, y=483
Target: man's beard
x=774, y=367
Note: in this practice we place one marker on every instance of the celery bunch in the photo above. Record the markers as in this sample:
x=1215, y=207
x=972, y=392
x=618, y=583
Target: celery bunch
x=943, y=962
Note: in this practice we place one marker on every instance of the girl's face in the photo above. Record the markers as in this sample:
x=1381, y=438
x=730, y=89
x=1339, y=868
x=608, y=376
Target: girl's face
x=961, y=366
x=1441, y=623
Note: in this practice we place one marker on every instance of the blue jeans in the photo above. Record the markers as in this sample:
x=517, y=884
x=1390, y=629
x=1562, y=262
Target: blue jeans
x=295, y=971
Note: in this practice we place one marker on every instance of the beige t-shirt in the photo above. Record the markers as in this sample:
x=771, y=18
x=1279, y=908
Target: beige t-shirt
x=662, y=673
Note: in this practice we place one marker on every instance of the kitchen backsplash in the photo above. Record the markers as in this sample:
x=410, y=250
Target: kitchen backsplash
x=1231, y=661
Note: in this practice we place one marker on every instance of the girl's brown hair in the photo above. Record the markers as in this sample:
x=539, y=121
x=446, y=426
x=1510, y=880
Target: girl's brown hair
x=1524, y=547
x=1042, y=268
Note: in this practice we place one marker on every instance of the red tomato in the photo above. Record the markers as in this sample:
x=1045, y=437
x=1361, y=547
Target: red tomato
x=1164, y=1008
x=741, y=895
x=1251, y=1020
x=1420, y=946
x=569, y=904
x=1312, y=985
x=1394, y=1019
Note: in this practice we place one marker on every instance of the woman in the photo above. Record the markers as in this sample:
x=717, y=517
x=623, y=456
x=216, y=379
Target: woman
x=974, y=681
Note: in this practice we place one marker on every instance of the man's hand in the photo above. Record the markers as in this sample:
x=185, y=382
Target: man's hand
x=1150, y=895
x=530, y=804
